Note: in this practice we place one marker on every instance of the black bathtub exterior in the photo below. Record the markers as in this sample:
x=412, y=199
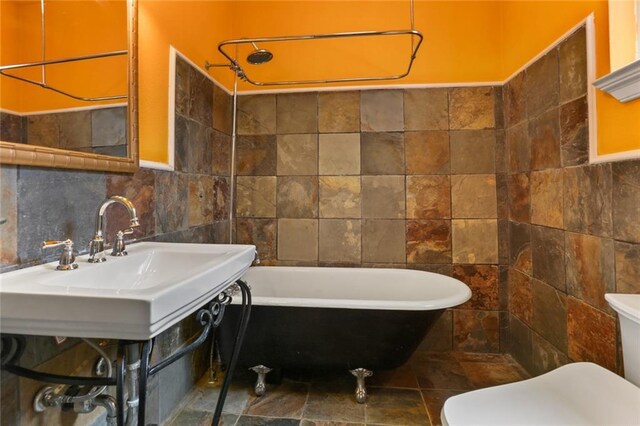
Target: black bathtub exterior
x=302, y=337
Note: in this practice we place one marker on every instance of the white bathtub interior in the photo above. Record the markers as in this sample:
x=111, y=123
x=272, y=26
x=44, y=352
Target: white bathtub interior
x=354, y=288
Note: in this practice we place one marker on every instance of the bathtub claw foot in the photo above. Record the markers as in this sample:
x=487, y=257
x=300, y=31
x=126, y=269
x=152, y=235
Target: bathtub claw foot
x=361, y=391
x=260, y=387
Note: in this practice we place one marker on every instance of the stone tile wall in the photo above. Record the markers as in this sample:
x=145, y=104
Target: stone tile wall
x=188, y=205
x=574, y=228
x=99, y=131
x=381, y=178
x=12, y=128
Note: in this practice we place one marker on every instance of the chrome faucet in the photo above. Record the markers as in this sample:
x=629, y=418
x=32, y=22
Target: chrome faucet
x=96, y=247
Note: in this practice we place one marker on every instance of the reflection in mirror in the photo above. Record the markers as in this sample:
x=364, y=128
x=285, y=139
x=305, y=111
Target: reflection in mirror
x=78, y=105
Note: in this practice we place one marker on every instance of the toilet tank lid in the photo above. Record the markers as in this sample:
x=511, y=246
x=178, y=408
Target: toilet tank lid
x=625, y=304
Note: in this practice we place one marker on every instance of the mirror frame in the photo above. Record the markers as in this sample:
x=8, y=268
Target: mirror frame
x=33, y=155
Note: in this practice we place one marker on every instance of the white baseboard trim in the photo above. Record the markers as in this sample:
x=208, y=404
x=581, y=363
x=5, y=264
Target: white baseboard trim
x=63, y=110
x=634, y=154
x=155, y=165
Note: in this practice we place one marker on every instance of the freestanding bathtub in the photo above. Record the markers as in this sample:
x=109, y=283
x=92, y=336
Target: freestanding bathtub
x=354, y=318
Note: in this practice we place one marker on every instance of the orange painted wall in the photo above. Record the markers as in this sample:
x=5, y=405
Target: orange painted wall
x=9, y=52
x=194, y=28
x=72, y=28
x=530, y=26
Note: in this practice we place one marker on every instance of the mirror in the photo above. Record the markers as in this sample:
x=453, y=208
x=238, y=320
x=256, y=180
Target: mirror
x=68, y=89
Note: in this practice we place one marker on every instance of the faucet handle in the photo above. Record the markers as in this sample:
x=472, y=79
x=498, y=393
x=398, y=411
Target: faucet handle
x=67, y=258
x=119, y=244
x=96, y=249
x=55, y=243
x=127, y=231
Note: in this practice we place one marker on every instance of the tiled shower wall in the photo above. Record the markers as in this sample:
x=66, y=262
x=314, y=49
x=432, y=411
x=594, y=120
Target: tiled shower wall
x=574, y=228
x=381, y=178
x=188, y=205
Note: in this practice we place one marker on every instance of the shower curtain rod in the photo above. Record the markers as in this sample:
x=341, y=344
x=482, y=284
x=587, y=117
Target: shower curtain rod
x=43, y=64
x=44, y=85
x=234, y=65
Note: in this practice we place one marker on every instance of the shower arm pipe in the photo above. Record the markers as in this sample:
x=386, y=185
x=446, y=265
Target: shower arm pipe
x=44, y=85
x=244, y=76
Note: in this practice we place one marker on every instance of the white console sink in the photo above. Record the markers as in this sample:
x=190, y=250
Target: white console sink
x=133, y=297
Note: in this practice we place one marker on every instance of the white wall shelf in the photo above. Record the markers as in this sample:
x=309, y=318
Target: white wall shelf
x=623, y=84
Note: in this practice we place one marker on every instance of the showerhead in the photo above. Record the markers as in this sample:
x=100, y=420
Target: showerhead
x=259, y=56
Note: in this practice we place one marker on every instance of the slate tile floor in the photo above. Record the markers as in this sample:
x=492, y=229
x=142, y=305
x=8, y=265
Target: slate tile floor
x=410, y=395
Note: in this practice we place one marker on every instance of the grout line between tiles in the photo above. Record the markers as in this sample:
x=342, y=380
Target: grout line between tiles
x=306, y=401
x=424, y=403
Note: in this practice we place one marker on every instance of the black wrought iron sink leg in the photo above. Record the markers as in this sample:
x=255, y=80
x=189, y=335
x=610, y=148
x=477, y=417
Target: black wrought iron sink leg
x=242, y=328
x=210, y=318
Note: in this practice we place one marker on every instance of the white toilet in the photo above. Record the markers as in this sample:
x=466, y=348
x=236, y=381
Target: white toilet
x=576, y=394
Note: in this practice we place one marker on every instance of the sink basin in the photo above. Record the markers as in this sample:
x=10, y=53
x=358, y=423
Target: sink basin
x=133, y=297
